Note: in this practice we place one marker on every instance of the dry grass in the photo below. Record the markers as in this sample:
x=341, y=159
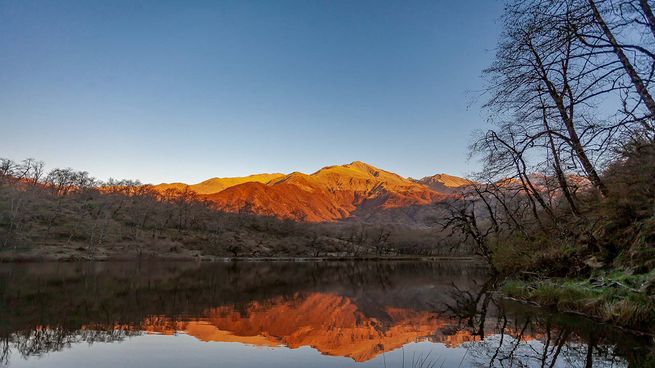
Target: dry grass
x=617, y=297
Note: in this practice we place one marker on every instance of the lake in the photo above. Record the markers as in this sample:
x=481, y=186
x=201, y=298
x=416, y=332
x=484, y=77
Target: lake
x=287, y=314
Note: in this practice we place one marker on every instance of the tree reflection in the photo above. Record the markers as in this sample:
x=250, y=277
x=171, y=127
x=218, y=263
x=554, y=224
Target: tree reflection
x=42, y=340
x=512, y=335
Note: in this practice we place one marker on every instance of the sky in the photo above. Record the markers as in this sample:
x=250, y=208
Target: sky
x=166, y=91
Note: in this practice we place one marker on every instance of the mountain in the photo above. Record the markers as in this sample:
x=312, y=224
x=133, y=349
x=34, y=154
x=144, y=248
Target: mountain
x=356, y=191
x=444, y=183
x=353, y=191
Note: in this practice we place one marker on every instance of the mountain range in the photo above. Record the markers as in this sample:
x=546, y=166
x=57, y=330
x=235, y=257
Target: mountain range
x=355, y=191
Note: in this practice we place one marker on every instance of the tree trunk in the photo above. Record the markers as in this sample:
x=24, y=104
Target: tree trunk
x=648, y=13
x=558, y=168
x=629, y=68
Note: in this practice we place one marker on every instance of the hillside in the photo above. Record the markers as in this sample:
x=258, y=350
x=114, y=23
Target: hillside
x=353, y=210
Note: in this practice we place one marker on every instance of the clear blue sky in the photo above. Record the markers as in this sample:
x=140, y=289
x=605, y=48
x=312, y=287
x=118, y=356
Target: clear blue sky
x=187, y=90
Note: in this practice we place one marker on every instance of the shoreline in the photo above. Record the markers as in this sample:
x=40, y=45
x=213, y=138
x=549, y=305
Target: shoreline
x=622, y=307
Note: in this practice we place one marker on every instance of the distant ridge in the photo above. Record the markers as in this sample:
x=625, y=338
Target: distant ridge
x=215, y=185
x=355, y=191
x=444, y=183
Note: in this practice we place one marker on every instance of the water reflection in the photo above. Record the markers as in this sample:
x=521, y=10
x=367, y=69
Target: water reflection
x=277, y=314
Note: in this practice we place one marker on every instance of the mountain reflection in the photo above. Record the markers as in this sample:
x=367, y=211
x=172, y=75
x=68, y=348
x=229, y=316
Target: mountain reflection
x=332, y=324
x=360, y=311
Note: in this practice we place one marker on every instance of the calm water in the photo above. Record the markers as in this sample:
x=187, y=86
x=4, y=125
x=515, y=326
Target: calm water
x=296, y=314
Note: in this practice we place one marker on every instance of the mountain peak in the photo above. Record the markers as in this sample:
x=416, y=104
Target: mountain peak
x=361, y=164
x=359, y=172
x=364, y=167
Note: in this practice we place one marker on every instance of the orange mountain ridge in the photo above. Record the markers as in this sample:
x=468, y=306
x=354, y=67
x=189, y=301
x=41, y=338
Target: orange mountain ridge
x=353, y=191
